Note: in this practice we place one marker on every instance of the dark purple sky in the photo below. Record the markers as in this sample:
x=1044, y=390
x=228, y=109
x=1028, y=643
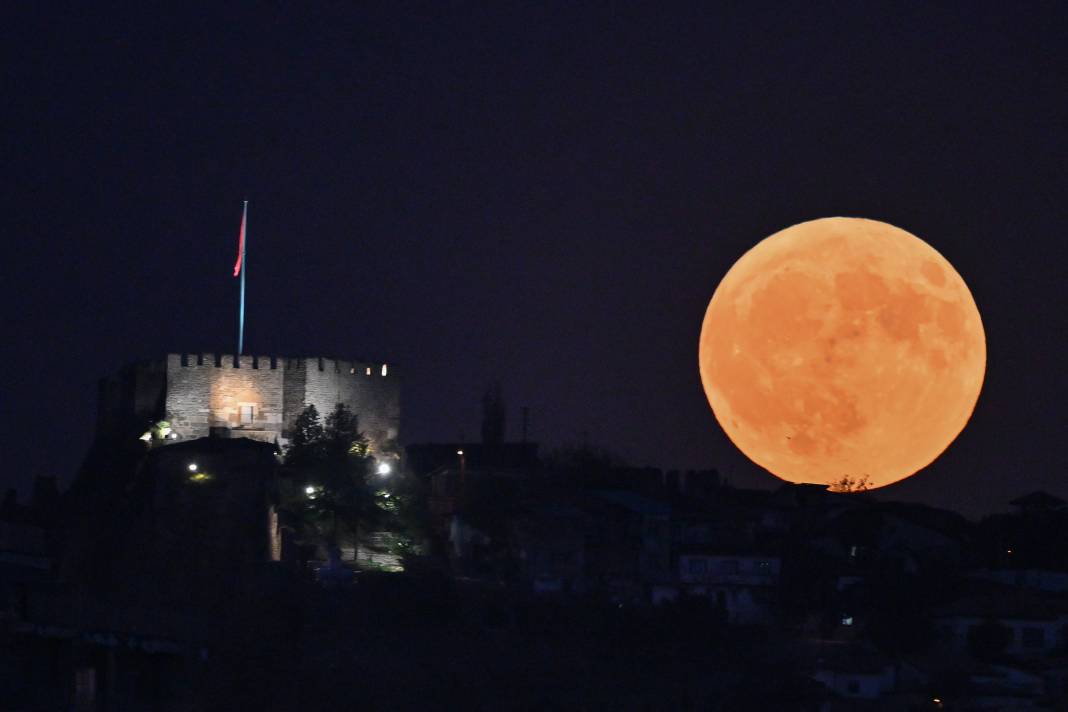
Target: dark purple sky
x=546, y=196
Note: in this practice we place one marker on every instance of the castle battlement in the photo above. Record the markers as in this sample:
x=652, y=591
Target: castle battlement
x=257, y=397
x=209, y=360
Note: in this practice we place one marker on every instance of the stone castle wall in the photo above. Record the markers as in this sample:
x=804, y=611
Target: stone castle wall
x=197, y=393
x=205, y=393
x=372, y=395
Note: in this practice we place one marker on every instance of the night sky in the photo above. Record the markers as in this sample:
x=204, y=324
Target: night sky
x=546, y=196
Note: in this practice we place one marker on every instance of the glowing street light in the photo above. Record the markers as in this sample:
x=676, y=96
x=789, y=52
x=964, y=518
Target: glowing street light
x=384, y=469
x=309, y=490
x=192, y=467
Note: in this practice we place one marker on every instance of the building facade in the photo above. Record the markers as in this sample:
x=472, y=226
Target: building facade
x=257, y=397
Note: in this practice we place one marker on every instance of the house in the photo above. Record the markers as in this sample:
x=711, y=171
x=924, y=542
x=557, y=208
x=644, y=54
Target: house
x=854, y=672
x=914, y=537
x=1035, y=623
x=1038, y=502
x=1033, y=579
x=1004, y=688
x=154, y=581
x=458, y=471
x=628, y=544
x=550, y=545
x=25, y=576
x=742, y=583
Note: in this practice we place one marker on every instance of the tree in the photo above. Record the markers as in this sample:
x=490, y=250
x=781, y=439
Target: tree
x=851, y=484
x=306, y=438
x=342, y=437
x=330, y=466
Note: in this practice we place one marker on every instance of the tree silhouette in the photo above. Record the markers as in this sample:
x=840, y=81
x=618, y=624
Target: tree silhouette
x=851, y=484
x=330, y=467
x=306, y=438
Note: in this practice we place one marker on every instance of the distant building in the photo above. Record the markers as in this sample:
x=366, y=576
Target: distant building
x=1036, y=623
x=153, y=581
x=855, y=672
x=455, y=469
x=742, y=583
x=1038, y=502
x=424, y=458
x=628, y=544
x=550, y=545
x=256, y=397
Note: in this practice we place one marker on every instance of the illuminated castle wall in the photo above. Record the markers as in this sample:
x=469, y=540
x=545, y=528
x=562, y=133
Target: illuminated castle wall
x=256, y=397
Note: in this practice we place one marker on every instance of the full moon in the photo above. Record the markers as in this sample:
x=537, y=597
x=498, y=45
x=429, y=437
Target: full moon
x=842, y=348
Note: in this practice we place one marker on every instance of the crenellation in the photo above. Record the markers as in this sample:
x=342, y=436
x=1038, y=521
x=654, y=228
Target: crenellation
x=257, y=397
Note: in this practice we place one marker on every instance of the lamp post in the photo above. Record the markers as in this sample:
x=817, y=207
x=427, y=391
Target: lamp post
x=463, y=472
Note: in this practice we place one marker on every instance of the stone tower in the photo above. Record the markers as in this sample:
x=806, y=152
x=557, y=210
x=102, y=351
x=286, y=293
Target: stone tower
x=256, y=397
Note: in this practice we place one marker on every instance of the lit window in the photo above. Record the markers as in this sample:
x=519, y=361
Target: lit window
x=385, y=369
x=368, y=370
x=247, y=414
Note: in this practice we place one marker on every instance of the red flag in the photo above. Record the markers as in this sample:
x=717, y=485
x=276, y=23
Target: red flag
x=240, y=245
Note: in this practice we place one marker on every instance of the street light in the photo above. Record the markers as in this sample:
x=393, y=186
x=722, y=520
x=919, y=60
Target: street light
x=384, y=469
x=192, y=467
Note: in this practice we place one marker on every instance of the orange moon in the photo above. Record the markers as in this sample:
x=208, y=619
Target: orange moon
x=842, y=347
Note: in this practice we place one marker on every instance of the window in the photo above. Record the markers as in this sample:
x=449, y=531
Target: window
x=1032, y=637
x=247, y=413
x=847, y=620
x=853, y=686
x=698, y=566
x=729, y=567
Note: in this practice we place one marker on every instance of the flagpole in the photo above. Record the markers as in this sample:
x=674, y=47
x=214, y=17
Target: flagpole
x=244, y=269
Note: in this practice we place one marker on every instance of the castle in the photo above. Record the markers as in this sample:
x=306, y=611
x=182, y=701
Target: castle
x=256, y=397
